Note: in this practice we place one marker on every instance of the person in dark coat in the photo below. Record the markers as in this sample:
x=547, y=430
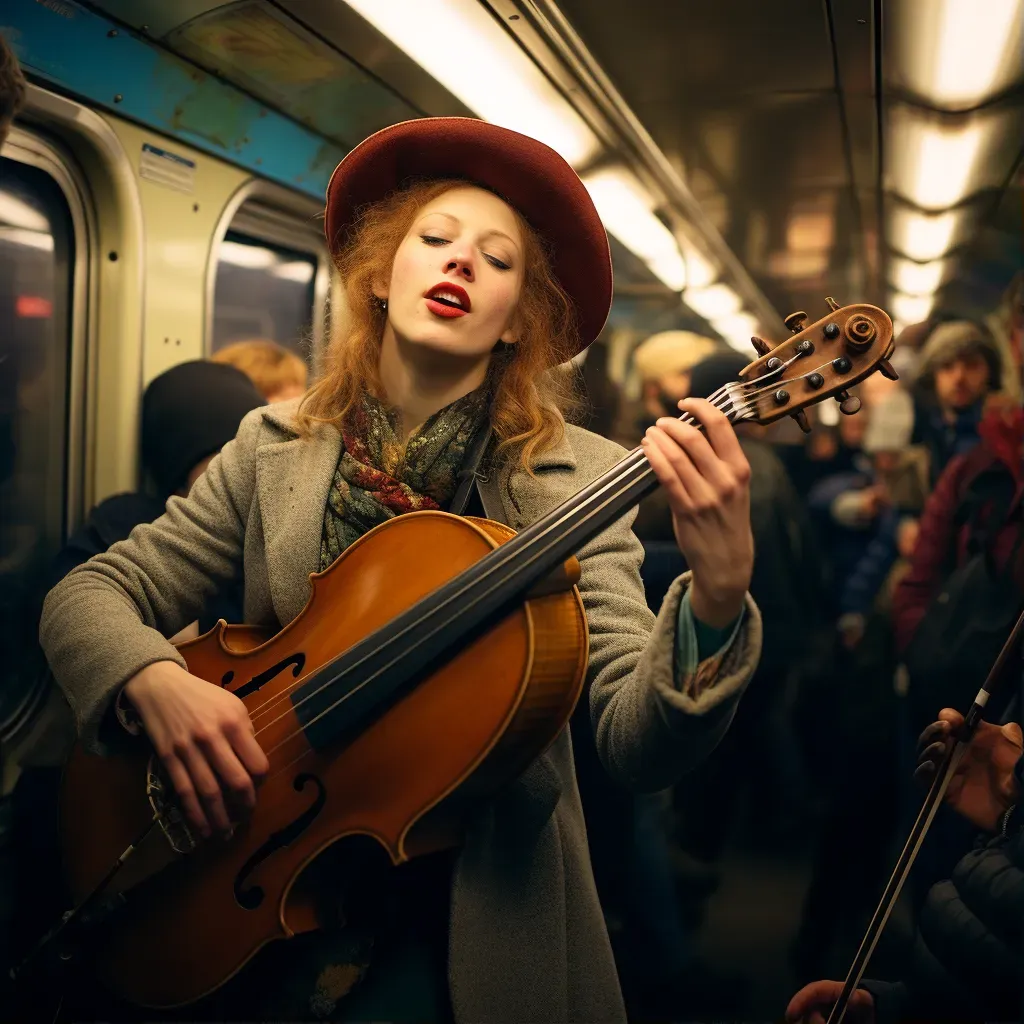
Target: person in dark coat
x=960, y=366
x=759, y=752
x=965, y=963
x=189, y=413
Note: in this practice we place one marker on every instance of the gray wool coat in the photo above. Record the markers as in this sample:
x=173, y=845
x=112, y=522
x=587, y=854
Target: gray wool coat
x=527, y=937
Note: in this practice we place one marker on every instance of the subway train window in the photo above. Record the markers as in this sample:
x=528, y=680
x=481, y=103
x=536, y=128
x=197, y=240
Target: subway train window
x=264, y=291
x=37, y=246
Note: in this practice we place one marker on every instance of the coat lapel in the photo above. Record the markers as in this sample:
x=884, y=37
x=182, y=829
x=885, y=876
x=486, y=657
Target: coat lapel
x=512, y=496
x=293, y=477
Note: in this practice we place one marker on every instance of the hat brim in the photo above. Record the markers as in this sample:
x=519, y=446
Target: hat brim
x=529, y=175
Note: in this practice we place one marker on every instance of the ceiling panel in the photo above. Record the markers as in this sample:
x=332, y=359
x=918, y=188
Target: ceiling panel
x=744, y=100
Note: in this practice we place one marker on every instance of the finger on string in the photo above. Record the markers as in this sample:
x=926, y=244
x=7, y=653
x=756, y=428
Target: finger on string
x=702, y=456
x=207, y=789
x=666, y=474
x=700, y=489
x=235, y=781
x=249, y=752
x=187, y=798
x=719, y=430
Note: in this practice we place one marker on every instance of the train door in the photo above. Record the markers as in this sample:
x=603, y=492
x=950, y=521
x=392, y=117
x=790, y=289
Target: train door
x=45, y=232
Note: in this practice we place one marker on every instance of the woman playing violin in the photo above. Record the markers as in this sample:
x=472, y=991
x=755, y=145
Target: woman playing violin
x=474, y=264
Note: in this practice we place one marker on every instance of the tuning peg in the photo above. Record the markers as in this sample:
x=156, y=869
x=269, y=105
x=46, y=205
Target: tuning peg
x=795, y=321
x=801, y=418
x=832, y=304
x=761, y=347
x=848, y=404
x=886, y=370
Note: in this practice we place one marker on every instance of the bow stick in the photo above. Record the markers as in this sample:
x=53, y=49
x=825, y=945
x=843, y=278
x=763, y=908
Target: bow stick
x=936, y=792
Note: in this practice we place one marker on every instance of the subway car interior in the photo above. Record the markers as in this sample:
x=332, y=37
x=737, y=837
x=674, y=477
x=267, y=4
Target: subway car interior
x=758, y=168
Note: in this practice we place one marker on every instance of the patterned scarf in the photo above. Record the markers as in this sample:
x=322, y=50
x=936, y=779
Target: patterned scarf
x=378, y=477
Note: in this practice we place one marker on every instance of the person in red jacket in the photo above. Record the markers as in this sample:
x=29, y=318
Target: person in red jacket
x=941, y=541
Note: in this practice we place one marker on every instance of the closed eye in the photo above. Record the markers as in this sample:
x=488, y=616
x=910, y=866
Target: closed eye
x=434, y=240
x=496, y=263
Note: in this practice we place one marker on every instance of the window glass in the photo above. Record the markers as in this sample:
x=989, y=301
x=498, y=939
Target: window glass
x=263, y=292
x=36, y=261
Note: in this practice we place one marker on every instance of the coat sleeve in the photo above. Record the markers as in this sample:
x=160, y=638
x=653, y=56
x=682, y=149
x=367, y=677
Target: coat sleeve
x=108, y=618
x=936, y=538
x=651, y=722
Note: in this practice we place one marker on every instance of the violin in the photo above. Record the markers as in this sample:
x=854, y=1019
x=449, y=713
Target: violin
x=435, y=660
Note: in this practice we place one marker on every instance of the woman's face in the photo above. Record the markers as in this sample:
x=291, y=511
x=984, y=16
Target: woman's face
x=457, y=275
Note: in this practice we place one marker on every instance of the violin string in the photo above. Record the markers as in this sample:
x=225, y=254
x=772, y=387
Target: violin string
x=720, y=399
x=595, y=509
x=632, y=461
x=625, y=467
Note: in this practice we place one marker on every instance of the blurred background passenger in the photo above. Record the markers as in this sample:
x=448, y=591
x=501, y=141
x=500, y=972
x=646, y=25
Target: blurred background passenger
x=277, y=372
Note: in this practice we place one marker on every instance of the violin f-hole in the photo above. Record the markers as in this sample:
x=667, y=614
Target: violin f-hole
x=250, y=898
x=297, y=662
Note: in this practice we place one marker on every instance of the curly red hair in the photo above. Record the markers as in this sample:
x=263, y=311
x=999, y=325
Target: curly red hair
x=530, y=390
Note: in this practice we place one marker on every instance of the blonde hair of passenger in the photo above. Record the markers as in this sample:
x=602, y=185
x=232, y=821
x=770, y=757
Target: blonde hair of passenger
x=670, y=352
x=271, y=367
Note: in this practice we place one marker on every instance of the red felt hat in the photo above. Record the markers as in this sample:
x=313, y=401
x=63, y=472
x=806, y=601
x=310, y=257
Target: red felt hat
x=532, y=177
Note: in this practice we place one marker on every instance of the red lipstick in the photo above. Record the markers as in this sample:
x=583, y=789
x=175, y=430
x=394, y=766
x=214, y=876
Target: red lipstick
x=448, y=300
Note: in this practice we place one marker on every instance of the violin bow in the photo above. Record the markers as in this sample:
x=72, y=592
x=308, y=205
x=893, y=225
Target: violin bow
x=936, y=793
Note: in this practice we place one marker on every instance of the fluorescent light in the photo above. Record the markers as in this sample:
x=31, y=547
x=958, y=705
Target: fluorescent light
x=254, y=257
x=916, y=278
x=737, y=330
x=32, y=239
x=628, y=213
x=922, y=237
x=912, y=309
x=298, y=271
x=961, y=52
x=699, y=272
x=933, y=164
x=669, y=268
x=490, y=73
x=714, y=302
x=20, y=215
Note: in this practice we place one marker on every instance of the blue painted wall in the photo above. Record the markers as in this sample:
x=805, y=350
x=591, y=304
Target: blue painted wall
x=91, y=58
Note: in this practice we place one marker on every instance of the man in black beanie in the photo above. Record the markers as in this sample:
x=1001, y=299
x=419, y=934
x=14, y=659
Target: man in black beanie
x=189, y=413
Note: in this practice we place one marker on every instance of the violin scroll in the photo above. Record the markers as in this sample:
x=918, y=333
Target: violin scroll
x=821, y=360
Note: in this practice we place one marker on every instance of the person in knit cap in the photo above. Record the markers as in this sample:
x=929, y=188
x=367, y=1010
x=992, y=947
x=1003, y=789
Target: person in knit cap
x=189, y=413
x=959, y=368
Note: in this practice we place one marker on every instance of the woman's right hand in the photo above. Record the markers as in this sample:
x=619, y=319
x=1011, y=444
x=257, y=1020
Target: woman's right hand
x=205, y=740
x=814, y=1002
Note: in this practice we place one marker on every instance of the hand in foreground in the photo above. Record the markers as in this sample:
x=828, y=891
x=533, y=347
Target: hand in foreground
x=983, y=787
x=813, y=1003
x=707, y=480
x=205, y=741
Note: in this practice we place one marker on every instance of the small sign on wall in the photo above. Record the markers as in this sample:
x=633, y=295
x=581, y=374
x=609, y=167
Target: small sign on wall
x=167, y=169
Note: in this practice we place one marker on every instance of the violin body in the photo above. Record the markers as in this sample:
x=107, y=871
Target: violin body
x=409, y=779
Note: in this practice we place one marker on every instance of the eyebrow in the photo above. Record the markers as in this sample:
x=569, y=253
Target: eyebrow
x=490, y=231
